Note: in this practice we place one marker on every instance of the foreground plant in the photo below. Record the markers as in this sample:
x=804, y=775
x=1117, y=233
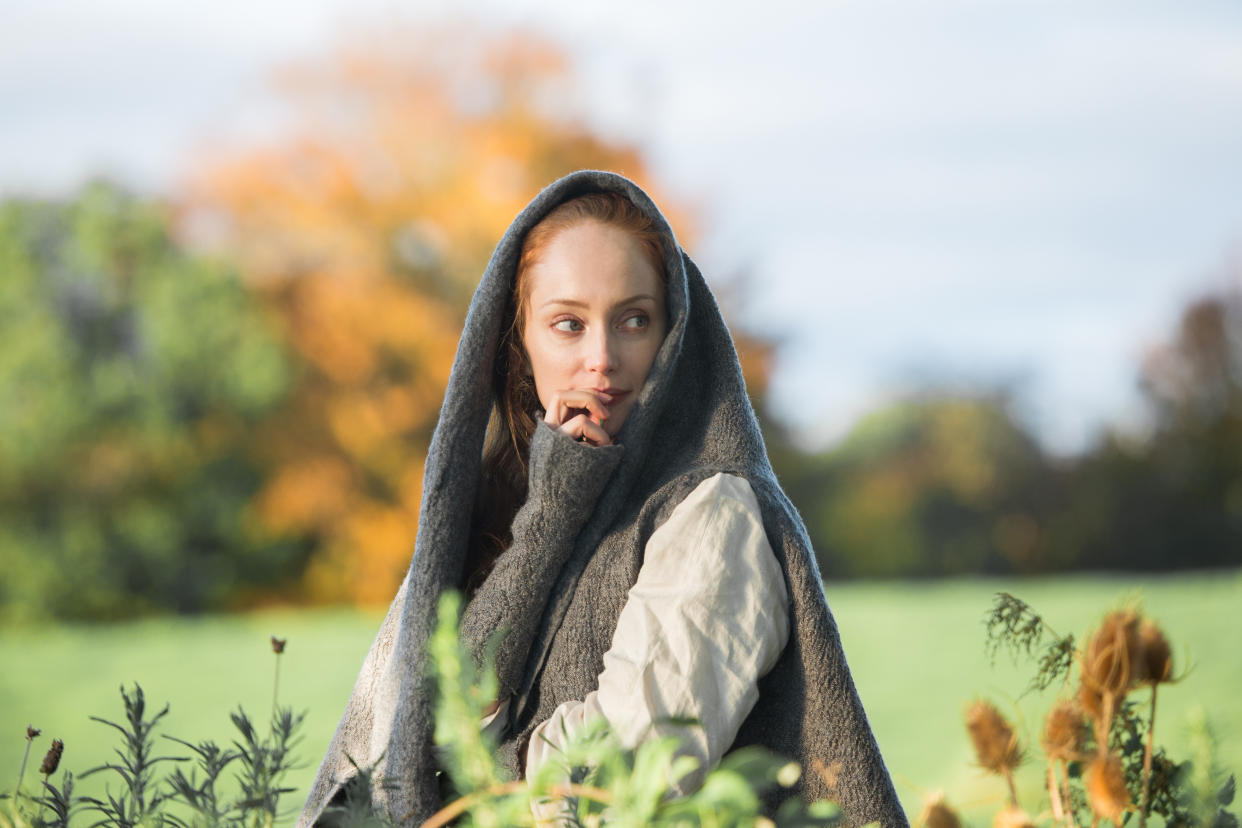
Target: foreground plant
x=995, y=742
x=146, y=798
x=139, y=800
x=1103, y=762
x=597, y=781
x=32, y=733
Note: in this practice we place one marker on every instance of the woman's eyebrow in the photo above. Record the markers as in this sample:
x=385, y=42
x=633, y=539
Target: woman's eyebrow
x=580, y=304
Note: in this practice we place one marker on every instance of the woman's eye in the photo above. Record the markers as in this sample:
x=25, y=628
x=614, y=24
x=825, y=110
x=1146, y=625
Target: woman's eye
x=636, y=322
x=567, y=325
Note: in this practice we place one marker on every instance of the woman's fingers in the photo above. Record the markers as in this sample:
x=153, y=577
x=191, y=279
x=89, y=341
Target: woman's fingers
x=571, y=402
x=583, y=429
x=587, y=430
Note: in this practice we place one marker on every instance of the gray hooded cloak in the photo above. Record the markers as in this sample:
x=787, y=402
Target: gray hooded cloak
x=577, y=547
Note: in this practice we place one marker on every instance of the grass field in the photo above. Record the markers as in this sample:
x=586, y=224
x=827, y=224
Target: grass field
x=916, y=651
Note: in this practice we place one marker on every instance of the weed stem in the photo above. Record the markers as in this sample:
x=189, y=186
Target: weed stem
x=21, y=774
x=1013, y=790
x=276, y=686
x=1069, y=803
x=1151, y=731
x=1054, y=793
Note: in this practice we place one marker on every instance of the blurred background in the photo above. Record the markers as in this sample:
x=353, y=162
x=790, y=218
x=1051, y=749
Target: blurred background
x=983, y=263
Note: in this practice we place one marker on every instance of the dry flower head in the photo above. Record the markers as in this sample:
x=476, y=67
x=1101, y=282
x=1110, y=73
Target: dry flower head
x=1063, y=736
x=1013, y=817
x=1090, y=700
x=32, y=732
x=278, y=645
x=1114, y=660
x=937, y=813
x=1157, y=655
x=52, y=760
x=996, y=744
x=1106, y=788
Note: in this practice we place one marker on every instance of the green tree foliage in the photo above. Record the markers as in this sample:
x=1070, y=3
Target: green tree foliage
x=130, y=375
x=935, y=484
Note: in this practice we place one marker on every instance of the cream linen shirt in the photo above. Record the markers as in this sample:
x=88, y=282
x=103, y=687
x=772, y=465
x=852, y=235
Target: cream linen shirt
x=707, y=617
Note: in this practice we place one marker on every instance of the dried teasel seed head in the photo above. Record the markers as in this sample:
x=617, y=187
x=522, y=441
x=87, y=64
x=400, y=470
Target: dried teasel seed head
x=1157, y=655
x=1113, y=659
x=1064, y=736
x=1106, y=788
x=52, y=760
x=1090, y=700
x=278, y=645
x=1013, y=817
x=937, y=813
x=32, y=732
x=996, y=745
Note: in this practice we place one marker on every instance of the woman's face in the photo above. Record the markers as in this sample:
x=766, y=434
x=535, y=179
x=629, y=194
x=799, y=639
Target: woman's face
x=595, y=318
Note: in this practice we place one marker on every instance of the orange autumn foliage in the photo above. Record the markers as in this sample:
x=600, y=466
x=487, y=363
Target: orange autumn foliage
x=365, y=229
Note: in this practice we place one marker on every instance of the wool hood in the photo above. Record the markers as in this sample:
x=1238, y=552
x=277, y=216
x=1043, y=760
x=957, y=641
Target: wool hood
x=577, y=546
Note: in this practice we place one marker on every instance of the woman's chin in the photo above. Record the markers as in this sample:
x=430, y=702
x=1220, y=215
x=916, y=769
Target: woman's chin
x=615, y=420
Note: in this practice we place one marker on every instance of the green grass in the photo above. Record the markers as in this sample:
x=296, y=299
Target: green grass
x=916, y=650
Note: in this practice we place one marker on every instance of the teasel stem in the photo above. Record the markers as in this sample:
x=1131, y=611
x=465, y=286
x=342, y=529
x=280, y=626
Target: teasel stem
x=1054, y=793
x=1104, y=724
x=1065, y=793
x=1013, y=790
x=1151, y=733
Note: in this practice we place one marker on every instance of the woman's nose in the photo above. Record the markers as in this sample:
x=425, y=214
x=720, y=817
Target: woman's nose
x=601, y=353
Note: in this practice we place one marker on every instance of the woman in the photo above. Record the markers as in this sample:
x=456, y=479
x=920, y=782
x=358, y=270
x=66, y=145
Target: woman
x=628, y=533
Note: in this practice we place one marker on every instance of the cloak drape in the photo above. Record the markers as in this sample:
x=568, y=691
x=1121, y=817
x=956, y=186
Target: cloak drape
x=577, y=547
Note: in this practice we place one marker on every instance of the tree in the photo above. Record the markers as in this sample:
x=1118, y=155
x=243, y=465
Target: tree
x=1175, y=499
x=364, y=231
x=130, y=377
x=939, y=483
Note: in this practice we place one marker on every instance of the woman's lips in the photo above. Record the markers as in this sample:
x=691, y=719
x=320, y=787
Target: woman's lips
x=611, y=397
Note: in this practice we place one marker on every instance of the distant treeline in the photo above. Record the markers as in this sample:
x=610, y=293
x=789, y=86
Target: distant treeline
x=150, y=402
x=947, y=483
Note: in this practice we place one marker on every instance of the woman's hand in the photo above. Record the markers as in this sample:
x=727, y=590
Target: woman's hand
x=580, y=413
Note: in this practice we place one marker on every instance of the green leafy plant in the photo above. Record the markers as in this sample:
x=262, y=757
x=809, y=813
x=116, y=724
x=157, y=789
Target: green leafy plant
x=139, y=801
x=187, y=796
x=596, y=780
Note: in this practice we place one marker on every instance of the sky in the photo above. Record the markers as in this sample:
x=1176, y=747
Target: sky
x=966, y=193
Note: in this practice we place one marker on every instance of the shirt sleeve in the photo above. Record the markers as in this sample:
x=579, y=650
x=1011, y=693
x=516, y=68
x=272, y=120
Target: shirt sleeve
x=707, y=617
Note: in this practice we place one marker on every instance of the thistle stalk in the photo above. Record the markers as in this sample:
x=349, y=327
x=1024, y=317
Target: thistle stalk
x=1013, y=789
x=1069, y=804
x=1054, y=793
x=1158, y=668
x=1104, y=724
x=1151, y=731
